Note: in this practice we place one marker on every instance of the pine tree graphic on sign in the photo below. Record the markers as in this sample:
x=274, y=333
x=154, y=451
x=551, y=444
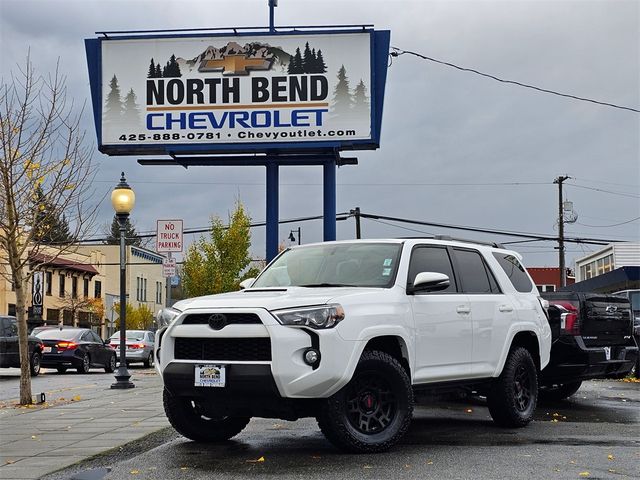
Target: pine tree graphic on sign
x=131, y=112
x=342, y=100
x=113, y=106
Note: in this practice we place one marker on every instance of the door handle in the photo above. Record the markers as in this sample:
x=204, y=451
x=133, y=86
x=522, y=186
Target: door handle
x=505, y=308
x=463, y=310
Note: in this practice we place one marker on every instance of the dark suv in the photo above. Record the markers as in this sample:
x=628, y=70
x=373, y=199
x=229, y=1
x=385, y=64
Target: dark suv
x=592, y=337
x=9, y=352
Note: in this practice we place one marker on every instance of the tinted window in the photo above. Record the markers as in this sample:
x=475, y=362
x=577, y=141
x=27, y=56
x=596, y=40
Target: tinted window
x=473, y=274
x=515, y=271
x=431, y=259
x=95, y=337
x=9, y=327
x=152, y=337
x=86, y=337
x=57, y=334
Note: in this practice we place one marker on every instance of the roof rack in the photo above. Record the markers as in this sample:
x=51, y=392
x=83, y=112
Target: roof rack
x=458, y=239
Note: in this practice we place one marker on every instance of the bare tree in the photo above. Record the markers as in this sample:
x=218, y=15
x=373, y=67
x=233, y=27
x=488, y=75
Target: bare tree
x=44, y=160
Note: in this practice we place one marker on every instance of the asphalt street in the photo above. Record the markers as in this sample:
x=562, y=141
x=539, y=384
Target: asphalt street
x=593, y=435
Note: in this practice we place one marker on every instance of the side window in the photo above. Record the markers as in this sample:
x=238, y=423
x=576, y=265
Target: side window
x=11, y=327
x=3, y=329
x=152, y=337
x=86, y=337
x=95, y=337
x=473, y=273
x=432, y=259
x=515, y=271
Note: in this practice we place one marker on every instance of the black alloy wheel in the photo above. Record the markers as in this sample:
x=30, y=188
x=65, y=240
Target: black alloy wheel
x=371, y=403
x=513, y=395
x=373, y=411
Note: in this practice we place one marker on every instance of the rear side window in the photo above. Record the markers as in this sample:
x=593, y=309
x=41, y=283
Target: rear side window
x=431, y=259
x=476, y=277
x=515, y=271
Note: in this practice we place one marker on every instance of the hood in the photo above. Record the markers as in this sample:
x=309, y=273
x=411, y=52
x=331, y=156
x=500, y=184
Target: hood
x=269, y=299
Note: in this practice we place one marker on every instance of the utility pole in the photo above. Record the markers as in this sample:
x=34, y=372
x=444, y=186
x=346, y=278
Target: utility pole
x=356, y=214
x=563, y=270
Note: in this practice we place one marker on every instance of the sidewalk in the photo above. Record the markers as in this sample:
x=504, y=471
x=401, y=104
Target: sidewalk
x=34, y=442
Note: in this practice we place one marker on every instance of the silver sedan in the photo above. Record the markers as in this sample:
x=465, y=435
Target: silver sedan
x=139, y=346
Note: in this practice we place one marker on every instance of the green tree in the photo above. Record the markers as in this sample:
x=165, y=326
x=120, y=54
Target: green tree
x=140, y=318
x=49, y=226
x=219, y=264
x=342, y=100
x=130, y=234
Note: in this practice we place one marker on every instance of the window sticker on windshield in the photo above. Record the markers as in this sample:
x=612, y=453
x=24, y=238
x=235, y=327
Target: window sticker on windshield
x=387, y=262
x=386, y=272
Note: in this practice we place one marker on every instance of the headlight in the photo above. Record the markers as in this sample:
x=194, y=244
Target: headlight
x=326, y=316
x=166, y=316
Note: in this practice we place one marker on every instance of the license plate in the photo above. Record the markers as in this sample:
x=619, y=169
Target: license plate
x=607, y=353
x=46, y=349
x=210, y=376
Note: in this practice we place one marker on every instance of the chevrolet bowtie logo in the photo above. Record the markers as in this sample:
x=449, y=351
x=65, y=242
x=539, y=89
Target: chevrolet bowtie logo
x=235, y=65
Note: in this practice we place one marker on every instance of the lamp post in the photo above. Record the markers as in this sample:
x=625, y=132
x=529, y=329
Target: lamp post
x=123, y=199
x=292, y=236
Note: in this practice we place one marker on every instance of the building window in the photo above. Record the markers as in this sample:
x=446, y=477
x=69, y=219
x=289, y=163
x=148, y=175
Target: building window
x=138, y=282
x=61, y=281
x=144, y=289
x=53, y=315
x=12, y=310
x=158, y=292
x=74, y=287
x=546, y=288
x=97, y=289
x=85, y=289
x=48, y=281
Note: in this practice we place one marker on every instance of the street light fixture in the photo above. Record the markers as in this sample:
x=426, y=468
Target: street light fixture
x=292, y=237
x=123, y=199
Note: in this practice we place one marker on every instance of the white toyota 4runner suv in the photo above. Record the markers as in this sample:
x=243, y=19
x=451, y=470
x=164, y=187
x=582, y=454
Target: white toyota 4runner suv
x=348, y=332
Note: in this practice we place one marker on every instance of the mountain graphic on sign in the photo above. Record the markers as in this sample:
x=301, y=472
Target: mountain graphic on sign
x=253, y=50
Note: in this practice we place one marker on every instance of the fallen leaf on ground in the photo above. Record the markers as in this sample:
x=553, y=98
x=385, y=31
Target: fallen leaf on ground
x=134, y=472
x=367, y=466
x=584, y=474
x=184, y=468
x=610, y=457
x=259, y=460
x=76, y=398
x=430, y=462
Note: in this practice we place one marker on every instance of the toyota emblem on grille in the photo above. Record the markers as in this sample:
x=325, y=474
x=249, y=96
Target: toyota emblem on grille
x=611, y=309
x=218, y=321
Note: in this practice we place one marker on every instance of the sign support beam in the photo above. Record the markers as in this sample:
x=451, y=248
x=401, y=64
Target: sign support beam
x=329, y=200
x=273, y=193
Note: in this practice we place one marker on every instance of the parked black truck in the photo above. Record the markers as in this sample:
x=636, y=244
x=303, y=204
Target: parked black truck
x=592, y=337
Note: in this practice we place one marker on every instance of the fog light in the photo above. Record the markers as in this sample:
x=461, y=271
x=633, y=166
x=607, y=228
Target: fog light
x=311, y=356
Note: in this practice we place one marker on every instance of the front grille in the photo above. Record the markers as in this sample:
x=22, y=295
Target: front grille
x=241, y=349
x=232, y=319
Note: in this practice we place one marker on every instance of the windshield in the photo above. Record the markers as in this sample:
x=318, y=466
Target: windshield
x=340, y=265
x=57, y=334
x=137, y=335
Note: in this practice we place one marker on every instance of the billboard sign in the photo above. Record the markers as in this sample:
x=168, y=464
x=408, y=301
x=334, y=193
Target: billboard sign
x=240, y=93
x=169, y=236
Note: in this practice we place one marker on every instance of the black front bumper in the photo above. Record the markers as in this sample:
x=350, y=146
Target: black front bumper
x=250, y=390
x=573, y=361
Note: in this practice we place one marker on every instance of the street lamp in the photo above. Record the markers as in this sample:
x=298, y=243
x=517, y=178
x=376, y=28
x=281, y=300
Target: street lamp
x=123, y=199
x=292, y=236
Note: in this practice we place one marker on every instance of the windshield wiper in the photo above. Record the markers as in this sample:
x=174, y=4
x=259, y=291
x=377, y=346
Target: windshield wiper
x=314, y=285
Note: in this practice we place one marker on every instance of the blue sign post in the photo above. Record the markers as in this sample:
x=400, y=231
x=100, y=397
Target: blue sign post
x=242, y=97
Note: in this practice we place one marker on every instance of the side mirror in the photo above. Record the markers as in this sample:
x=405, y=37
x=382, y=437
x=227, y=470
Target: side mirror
x=430, y=282
x=247, y=283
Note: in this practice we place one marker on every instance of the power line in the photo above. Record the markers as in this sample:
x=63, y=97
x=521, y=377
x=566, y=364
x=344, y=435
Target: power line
x=364, y=184
x=631, y=195
x=398, y=51
x=612, y=225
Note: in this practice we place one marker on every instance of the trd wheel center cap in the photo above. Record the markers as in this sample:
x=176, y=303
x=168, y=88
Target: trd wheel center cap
x=368, y=402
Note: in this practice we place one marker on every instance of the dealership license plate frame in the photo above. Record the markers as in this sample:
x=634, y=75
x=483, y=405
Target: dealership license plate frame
x=46, y=350
x=204, y=377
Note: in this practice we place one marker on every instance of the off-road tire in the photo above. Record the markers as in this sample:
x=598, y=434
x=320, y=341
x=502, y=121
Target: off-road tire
x=85, y=364
x=513, y=395
x=184, y=416
x=34, y=364
x=111, y=366
x=556, y=393
x=373, y=411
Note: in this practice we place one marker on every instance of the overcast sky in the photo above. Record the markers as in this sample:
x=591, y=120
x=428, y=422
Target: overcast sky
x=446, y=134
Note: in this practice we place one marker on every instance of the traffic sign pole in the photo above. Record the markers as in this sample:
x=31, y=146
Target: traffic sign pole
x=168, y=280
